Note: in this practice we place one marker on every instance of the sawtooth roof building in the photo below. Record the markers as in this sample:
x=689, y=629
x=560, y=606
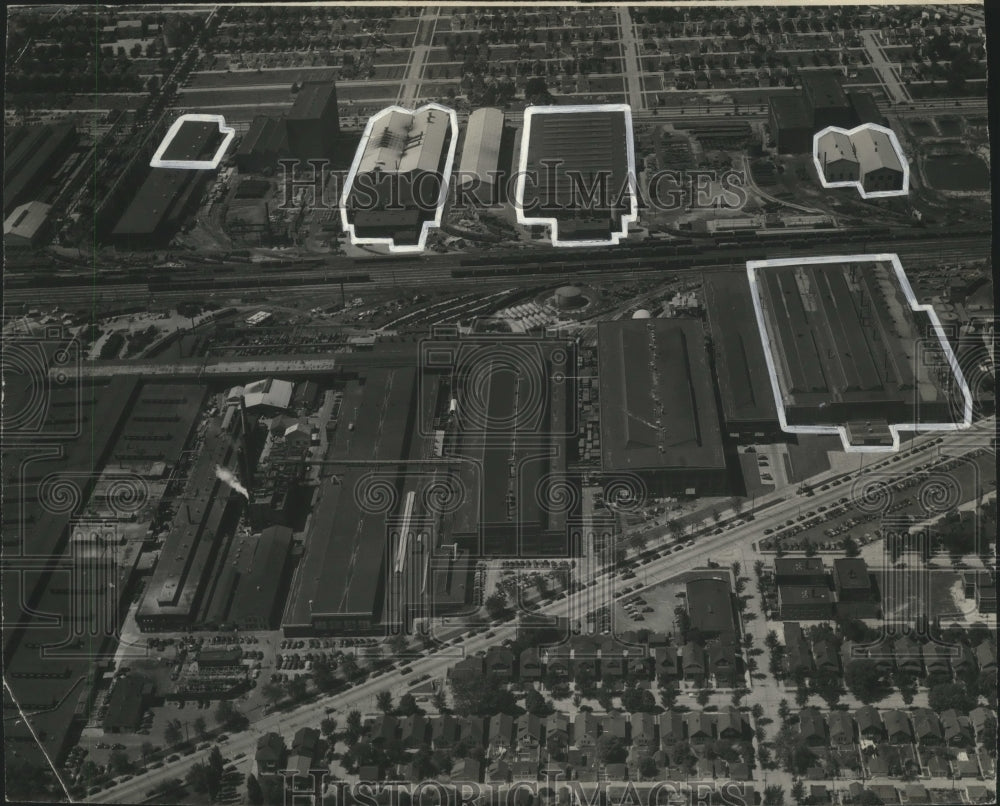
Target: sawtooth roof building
x=658, y=413
x=843, y=338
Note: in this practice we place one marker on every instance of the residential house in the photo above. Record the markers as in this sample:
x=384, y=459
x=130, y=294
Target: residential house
x=897, y=727
x=616, y=772
x=964, y=662
x=699, y=727
x=956, y=730
x=270, y=756
x=469, y=668
x=525, y=768
x=639, y=664
x=530, y=666
x=982, y=720
x=870, y=725
x=938, y=766
x=408, y=772
x=500, y=662
x=445, y=731
x=812, y=728
x=475, y=728
x=722, y=663
x=467, y=770
x=558, y=663
x=986, y=656
x=798, y=656
x=916, y=793
x=693, y=663
x=936, y=666
x=529, y=732
x=585, y=729
x=584, y=664
x=710, y=769
x=557, y=729
x=612, y=660
x=841, y=728
x=730, y=723
x=927, y=727
x=909, y=656
x=886, y=793
x=614, y=724
x=665, y=663
x=501, y=737
x=498, y=772
x=644, y=732
x=413, y=730
x=826, y=657
x=671, y=728
x=305, y=745
x=383, y=728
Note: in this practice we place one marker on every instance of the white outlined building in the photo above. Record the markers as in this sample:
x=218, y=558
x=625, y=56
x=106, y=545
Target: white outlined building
x=868, y=157
x=829, y=350
x=186, y=139
x=576, y=173
x=397, y=185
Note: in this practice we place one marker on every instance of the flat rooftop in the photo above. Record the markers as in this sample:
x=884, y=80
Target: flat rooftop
x=740, y=366
x=195, y=140
x=657, y=397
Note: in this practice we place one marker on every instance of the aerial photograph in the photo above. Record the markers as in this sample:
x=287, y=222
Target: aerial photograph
x=577, y=404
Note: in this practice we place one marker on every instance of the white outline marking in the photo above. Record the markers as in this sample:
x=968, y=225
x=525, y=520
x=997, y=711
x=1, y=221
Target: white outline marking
x=875, y=194
x=425, y=226
x=552, y=222
x=894, y=428
x=193, y=165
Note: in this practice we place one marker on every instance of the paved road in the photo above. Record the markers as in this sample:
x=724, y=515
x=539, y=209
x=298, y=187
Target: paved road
x=418, y=56
x=739, y=537
x=885, y=69
x=630, y=58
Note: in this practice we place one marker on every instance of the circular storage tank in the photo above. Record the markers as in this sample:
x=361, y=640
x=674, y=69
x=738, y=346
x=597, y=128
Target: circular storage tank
x=569, y=296
x=642, y=313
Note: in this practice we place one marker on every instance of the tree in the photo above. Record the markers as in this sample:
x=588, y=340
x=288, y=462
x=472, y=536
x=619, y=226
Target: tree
x=408, y=706
x=254, y=793
x=950, y=695
x=296, y=688
x=648, y=767
x=273, y=692
x=118, y=762
x=851, y=548
x=173, y=733
x=496, y=605
x=353, y=732
x=199, y=726
x=865, y=681
x=799, y=792
x=774, y=795
x=535, y=703
x=328, y=726
x=771, y=639
x=611, y=749
x=704, y=695
x=383, y=701
x=439, y=699
x=397, y=643
x=906, y=682
x=230, y=717
x=147, y=750
x=783, y=710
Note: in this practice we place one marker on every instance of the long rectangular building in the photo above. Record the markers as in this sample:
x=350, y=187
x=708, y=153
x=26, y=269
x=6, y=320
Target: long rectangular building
x=747, y=398
x=339, y=585
x=658, y=413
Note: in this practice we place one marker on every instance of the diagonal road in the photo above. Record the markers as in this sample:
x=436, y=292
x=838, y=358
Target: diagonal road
x=684, y=556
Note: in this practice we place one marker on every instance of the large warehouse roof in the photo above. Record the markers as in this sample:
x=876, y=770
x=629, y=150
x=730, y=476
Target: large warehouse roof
x=481, y=152
x=740, y=364
x=875, y=150
x=195, y=140
x=657, y=399
x=30, y=155
x=313, y=100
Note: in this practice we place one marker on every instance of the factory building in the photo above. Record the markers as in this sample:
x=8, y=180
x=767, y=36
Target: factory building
x=658, y=413
x=339, y=583
x=401, y=168
x=480, y=165
x=26, y=225
x=263, y=145
x=313, y=123
x=842, y=338
x=511, y=430
x=791, y=124
x=864, y=109
x=745, y=391
x=837, y=157
x=880, y=166
x=581, y=174
x=825, y=99
x=32, y=156
x=168, y=195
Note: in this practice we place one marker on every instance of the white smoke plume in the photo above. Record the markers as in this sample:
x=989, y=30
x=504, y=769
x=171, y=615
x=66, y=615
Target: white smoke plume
x=226, y=475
